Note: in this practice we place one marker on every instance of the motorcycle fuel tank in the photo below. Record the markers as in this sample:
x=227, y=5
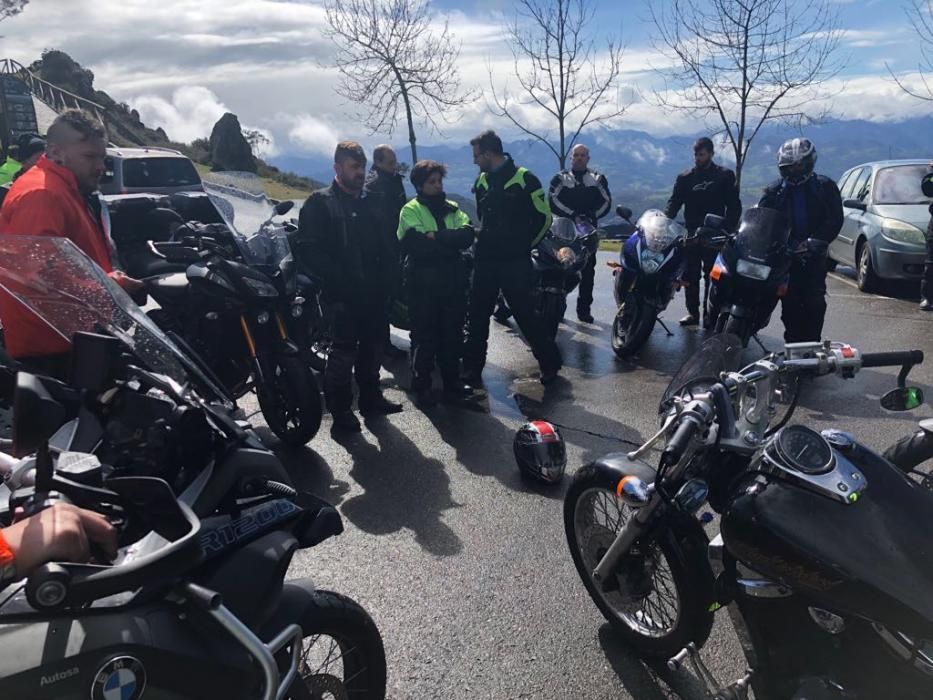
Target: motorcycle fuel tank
x=871, y=556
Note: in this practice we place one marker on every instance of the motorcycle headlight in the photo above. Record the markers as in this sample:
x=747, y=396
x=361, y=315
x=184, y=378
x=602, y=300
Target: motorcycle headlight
x=651, y=261
x=901, y=232
x=746, y=268
x=260, y=288
x=566, y=256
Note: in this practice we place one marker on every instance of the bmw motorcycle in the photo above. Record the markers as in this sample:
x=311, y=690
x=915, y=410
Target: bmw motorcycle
x=191, y=608
x=646, y=277
x=558, y=260
x=823, y=559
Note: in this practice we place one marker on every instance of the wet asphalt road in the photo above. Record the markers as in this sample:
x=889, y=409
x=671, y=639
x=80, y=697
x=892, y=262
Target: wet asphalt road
x=465, y=568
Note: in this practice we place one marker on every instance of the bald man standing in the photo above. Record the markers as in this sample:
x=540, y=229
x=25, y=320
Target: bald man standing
x=581, y=194
x=385, y=184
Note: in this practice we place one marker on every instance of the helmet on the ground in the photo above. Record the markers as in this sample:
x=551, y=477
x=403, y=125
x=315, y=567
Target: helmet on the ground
x=540, y=451
x=796, y=159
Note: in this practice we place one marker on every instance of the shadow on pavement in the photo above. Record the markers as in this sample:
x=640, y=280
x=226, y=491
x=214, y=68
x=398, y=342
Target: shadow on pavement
x=309, y=471
x=402, y=489
x=647, y=681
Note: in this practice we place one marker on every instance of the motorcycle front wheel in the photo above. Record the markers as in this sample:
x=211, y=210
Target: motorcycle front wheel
x=342, y=654
x=631, y=327
x=657, y=599
x=290, y=399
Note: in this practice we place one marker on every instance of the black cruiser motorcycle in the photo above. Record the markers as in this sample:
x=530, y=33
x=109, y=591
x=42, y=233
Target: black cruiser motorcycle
x=823, y=560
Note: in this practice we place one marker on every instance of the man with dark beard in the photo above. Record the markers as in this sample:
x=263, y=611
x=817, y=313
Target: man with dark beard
x=385, y=184
x=342, y=241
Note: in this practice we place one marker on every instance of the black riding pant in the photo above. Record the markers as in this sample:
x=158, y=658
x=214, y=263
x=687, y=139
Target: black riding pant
x=437, y=303
x=516, y=279
x=359, y=336
x=803, y=309
x=699, y=262
x=926, y=286
x=587, y=277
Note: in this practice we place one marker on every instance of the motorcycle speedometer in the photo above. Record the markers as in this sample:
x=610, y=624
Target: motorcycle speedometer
x=804, y=450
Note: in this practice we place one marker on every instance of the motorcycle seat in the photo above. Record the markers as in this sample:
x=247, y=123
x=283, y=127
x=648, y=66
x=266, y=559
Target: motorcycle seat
x=170, y=286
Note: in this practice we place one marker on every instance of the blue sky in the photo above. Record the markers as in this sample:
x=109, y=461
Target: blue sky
x=183, y=63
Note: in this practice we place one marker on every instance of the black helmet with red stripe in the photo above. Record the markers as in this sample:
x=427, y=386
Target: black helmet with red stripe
x=540, y=451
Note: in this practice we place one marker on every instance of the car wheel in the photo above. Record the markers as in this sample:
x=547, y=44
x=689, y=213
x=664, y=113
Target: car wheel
x=868, y=280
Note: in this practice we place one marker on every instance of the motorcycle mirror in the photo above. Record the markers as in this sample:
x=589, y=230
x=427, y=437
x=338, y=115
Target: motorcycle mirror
x=713, y=221
x=905, y=398
x=283, y=207
x=36, y=416
x=624, y=212
x=92, y=360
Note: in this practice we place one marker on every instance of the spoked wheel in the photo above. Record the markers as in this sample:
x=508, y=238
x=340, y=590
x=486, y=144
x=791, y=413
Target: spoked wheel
x=342, y=656
x=653, y=600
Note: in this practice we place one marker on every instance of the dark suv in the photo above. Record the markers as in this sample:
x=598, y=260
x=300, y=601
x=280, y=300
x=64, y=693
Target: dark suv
x=149, y=170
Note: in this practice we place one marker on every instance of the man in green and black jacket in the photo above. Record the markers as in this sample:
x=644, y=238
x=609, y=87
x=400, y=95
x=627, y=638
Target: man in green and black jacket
x=514, y=216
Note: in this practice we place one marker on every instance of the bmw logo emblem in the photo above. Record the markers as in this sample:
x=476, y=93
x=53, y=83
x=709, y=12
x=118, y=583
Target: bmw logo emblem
x=122, y=678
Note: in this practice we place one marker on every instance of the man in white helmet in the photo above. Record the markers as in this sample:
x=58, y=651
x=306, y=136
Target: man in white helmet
x=813, y=206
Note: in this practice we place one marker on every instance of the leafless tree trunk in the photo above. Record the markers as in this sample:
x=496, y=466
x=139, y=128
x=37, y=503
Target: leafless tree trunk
x=391, y=59
x=559, y=71
x=920, y=14
x=746, y=62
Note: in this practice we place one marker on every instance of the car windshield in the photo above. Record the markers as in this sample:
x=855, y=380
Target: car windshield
x=58, y=284
x=247, y=214
x=900, y=185
x=159, y=172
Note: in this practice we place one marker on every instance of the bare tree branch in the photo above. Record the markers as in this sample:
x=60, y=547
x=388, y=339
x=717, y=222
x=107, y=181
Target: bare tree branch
x=392, y=61
x=920, y=15
x=746, y=62
x=559, y=72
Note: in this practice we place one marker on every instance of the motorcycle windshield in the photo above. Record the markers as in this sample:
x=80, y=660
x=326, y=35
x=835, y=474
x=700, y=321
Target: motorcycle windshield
x=659, y=231
x=564, y=229
x=762, y=233
x=247, y=212
x=64, y=289
x=721, y=353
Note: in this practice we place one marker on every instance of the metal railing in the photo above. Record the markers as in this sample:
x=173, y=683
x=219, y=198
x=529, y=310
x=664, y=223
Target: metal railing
x=52, y=95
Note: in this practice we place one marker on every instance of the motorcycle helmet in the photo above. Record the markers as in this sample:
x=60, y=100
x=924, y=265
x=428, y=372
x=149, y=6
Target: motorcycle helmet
x=540, y=451
x=796, y=159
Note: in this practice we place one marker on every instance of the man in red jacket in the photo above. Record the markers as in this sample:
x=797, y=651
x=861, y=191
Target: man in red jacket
x=52, y=199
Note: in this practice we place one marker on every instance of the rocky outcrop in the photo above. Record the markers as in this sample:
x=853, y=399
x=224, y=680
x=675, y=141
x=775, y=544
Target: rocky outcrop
x=229, y=149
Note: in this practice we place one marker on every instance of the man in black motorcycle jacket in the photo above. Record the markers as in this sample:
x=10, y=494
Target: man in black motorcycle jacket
x=342, y=241
x=514, y=216
x=926, y=287
x=580, y=193
x=707, y=188
x=385, y=182
x=813, y=206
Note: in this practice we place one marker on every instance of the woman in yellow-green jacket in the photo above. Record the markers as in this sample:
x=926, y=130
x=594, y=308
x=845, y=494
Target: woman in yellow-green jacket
x=434, y=233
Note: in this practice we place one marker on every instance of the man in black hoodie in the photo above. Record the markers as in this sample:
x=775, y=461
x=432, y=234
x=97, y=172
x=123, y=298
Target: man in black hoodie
x=514, y=216
x=342, y=240
x=707, y=188
x=385, y=184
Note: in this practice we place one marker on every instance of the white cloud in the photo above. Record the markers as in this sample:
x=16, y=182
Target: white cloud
x=313, y=135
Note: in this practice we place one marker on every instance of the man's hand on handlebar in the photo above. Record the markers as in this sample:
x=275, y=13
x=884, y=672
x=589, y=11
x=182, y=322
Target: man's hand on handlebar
x=61, y=532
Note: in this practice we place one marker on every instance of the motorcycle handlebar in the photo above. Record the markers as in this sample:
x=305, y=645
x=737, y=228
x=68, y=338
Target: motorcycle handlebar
x=678, y=443
x=892, y=359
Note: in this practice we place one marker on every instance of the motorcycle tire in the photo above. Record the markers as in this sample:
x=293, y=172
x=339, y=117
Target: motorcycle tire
x=684, y=552
x=290, y=400
x=354, y=642
x=910, y=452
x=739, y=327
x=639, y=327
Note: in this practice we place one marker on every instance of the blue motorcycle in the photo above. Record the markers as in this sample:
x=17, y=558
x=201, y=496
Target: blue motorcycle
x=646, y=277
